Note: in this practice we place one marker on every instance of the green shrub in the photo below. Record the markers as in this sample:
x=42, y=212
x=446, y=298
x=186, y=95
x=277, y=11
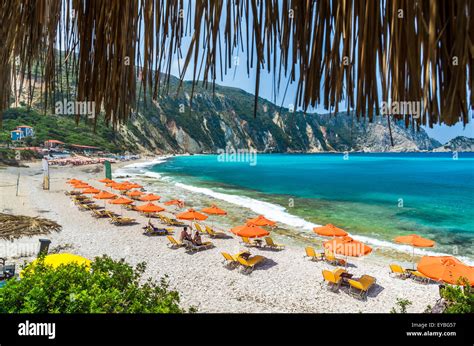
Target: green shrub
x=108, y=287
x=402, y=305
x=459, y=299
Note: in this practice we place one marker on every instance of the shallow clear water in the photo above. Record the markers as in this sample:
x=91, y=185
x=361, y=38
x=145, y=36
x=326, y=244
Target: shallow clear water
x=374, y=195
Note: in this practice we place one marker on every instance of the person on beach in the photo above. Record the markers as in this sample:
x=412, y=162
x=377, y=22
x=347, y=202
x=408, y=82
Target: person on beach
x=184, y=235
x=197, y=239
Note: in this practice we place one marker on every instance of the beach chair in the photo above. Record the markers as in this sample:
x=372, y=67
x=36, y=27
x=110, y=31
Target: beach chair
x=248, y=265
x=102, y=213
x=214, y=234
x=269, y=243
x=313, y=255
x=229, y=260
x=72, y=193
x=151, y=230
x=83, y=207
x=247, y=242
x=417, y=276
x=361, y=287
x=330, y=258
x=398, y=271
x=121, y=221
x=198, y=227
x=333, y=279
x=7, y=271
x=172, y=222
x=191, y=247
x=78, y=198
x=130, y=207
x=173, y=243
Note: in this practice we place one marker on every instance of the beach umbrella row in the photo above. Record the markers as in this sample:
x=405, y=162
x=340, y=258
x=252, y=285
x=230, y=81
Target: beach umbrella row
x=446, y=269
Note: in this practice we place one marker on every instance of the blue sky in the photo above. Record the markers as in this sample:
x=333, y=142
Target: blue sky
x=241, y=80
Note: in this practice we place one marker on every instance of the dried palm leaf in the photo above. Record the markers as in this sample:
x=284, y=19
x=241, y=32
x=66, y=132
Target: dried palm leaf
x=363, y=52
x=17, y=226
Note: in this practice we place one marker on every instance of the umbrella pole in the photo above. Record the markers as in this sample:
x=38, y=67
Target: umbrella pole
x=413, y=257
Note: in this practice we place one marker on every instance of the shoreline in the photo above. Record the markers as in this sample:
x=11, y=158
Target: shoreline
x=287, y=282
x=294, y=223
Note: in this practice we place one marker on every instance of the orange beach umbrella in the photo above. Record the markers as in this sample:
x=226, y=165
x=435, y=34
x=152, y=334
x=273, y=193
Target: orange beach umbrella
x=347, y=246
x=105, y=195
x=250, y=231
x=134, y=193
x=121, y=187
x=121, y=200
x=175, y=202
x=261, y=221
x=90, y=191
x=106, y=180
x=74, y=181
x=134, y=186
x=150, y=197
x=214, y=210
x=415, y=241
x=447, y=269
x=330, y=230
x=150, y=208
x=191, y=214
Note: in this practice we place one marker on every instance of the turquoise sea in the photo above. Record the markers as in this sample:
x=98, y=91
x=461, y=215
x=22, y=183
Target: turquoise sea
x=377, y=196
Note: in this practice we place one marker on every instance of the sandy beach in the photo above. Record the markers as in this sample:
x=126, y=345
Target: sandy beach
x=286, y=282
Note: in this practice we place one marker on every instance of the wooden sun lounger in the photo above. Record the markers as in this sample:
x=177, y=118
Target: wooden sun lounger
x=214, y=234
x=151, y=230
x=79, y=197
x=173, y=243
x=171, y=222
x=102, y=213
x=330, y=258
x=333, y=278
x=399, y=271
x=248, y=265
x=361, y=287
x=417, y=276
x=120, y=220
x=313, y=255
x=269, y=243
x=229, y=260
x=72, y=193
x=199, y=227
x=247, y=242
x=191, y=247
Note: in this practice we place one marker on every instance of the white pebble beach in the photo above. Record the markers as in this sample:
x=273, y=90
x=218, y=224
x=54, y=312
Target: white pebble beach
x=287, y=282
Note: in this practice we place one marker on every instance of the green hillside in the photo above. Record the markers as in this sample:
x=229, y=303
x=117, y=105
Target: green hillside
x=61, y=128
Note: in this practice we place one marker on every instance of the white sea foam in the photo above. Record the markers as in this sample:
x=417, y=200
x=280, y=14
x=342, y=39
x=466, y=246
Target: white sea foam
x=140, y=168
x=270, y=210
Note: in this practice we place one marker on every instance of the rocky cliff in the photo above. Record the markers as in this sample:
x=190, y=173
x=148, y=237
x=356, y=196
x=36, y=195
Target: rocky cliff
x=459, y=144
x=225, y=119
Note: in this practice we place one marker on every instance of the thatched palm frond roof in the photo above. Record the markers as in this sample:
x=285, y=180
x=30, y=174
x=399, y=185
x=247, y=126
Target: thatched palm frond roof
x=17, y=226
x=359, y=51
